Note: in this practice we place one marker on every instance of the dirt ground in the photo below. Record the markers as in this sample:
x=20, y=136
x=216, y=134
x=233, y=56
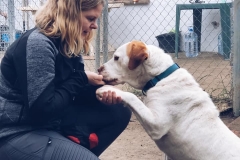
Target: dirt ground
x=133, y=144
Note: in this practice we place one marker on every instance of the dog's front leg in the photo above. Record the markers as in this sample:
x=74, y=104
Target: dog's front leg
x=155, y=124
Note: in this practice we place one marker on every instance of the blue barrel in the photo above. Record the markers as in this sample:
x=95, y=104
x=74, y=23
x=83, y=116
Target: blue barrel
x=5, y=37
x=18, y=34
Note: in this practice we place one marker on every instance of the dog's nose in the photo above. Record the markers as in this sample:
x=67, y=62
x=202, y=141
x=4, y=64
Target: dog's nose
x=100, y=69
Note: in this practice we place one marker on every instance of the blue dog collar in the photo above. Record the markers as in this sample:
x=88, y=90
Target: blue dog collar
x=158, y=78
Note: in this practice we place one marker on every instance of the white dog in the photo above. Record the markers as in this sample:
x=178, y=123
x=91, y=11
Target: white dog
x=177, y=114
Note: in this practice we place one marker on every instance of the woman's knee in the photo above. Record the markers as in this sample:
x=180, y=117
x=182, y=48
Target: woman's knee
x=44, y=144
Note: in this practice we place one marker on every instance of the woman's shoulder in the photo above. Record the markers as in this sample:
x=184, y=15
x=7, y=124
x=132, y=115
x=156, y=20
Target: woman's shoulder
x=38, y=42
x=38, y=38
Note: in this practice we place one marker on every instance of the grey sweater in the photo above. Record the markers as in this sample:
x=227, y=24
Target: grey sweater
x=37, y=83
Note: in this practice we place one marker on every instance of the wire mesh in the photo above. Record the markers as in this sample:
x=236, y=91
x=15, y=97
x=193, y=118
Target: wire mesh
x=147, y=20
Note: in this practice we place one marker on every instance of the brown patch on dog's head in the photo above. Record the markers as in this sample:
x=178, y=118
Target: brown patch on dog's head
x=137, y=53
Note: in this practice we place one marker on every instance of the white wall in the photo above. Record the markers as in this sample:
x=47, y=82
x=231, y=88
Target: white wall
x=145, y=22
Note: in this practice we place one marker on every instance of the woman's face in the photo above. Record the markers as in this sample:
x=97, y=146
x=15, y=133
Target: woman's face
x=89, y=19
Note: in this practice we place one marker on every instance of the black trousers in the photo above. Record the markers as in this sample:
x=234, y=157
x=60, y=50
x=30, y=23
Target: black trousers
x=107, y=122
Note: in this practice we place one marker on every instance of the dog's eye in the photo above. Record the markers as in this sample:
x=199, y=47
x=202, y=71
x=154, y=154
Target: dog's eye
x=116, y=58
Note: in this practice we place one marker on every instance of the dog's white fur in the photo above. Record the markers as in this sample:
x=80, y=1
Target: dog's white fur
x=177, y=114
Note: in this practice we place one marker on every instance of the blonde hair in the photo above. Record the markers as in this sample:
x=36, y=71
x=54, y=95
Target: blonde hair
x=60, y=18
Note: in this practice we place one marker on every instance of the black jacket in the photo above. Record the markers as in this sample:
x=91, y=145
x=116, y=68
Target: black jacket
x=37, y=83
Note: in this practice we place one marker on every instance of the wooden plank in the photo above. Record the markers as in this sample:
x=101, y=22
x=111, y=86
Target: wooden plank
x=115, y=5
x=126, y=2
x=28, y=8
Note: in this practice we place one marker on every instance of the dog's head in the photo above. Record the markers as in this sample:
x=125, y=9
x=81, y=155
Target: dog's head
x=132, y=63
x=137, y=53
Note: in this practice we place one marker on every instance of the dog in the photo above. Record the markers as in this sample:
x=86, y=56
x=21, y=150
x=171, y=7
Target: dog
x=176, y=112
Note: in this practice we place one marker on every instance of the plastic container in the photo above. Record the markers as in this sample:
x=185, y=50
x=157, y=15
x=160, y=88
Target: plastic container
x=4, y=37
x=166, y=42
x=220, y=44
x=191, y=43
x=18, y=34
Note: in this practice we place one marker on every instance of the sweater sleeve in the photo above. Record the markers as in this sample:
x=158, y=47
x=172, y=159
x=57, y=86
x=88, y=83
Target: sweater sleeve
x=46, y=99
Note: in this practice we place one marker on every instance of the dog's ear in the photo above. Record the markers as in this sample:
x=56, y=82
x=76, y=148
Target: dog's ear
x=137, y=53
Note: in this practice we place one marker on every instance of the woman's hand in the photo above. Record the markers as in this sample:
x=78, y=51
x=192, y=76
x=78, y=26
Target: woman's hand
x=94, y=78
x=110, y=98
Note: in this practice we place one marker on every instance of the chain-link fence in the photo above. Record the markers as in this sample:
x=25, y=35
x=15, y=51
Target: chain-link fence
x=164, y=24
x=161, y=23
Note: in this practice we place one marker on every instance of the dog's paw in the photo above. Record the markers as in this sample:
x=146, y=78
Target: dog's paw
x=107, y=88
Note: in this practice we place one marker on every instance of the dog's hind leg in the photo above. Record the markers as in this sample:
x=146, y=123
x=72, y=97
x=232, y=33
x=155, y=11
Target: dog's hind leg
x=155, y=125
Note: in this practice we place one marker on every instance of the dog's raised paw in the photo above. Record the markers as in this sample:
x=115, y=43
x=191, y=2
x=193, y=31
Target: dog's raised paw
x=107, y=88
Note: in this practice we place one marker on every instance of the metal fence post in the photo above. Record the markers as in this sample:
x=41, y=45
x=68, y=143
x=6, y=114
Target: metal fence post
x=105, y=32
x=11, y=20
x=236, y=59
x=97, y=47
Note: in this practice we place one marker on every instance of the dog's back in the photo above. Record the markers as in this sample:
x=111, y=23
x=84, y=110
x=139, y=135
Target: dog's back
x=196, y=131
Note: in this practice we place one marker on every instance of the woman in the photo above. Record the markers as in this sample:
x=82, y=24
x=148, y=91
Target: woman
x=48, y=106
